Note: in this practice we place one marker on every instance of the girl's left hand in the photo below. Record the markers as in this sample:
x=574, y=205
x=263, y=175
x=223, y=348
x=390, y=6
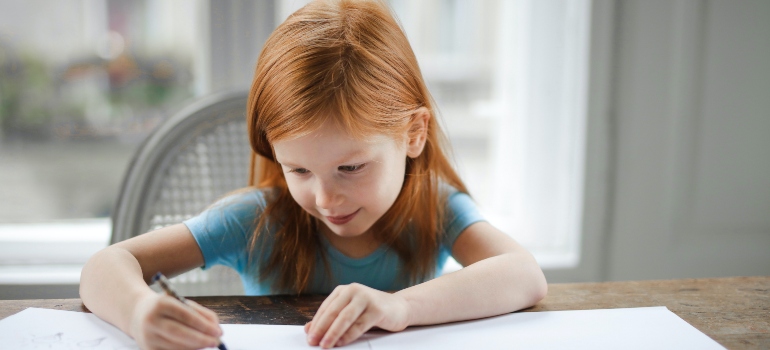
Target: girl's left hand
x=352, y=310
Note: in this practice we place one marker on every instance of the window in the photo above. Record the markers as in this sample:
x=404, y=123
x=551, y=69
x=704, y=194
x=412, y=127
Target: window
x=79, y=91
x=82, y=83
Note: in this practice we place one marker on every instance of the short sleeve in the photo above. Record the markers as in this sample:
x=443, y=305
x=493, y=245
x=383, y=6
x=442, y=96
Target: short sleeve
x=462, y=211
x=224, y=230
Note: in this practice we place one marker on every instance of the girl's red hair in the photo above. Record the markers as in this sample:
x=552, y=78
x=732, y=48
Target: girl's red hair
x=351, y=62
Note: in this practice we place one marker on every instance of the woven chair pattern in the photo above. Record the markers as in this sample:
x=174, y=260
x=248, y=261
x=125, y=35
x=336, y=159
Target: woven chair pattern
x=195, y=158
x=207, y=168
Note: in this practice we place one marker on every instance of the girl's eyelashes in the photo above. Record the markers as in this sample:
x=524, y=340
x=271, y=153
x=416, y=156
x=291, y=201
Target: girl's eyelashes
x=352, y=168
x=300, y=171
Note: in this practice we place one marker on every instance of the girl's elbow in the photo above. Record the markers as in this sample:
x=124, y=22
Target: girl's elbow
x=540, y=288
x=94, y=266
x=531, y=282
x=533, y=291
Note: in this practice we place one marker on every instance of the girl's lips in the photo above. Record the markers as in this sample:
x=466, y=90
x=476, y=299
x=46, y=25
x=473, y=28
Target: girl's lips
x=341, y=220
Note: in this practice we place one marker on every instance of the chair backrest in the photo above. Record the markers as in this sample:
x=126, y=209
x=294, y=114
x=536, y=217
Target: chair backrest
x=191, y=160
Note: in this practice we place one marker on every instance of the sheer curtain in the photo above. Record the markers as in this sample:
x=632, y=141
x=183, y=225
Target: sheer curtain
x=539, y=142
x=510, y=80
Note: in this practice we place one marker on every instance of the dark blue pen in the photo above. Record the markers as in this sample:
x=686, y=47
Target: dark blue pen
x=163, y=281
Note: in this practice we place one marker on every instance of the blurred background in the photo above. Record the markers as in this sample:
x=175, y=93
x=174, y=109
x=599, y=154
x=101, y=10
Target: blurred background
x=616, y=139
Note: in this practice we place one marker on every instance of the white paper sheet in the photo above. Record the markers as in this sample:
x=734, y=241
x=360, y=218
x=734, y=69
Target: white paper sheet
x=634, y=328
x=54, y=329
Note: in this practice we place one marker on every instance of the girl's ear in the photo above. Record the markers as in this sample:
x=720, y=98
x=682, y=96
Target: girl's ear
x=418, y=132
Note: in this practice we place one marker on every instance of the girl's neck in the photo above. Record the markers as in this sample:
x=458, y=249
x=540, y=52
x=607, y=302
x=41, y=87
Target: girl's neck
x=353, y=247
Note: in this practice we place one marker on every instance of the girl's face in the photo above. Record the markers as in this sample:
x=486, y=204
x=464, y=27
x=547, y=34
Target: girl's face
x=346, y=183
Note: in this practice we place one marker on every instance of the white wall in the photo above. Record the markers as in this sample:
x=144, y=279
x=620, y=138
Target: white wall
x=689, y=140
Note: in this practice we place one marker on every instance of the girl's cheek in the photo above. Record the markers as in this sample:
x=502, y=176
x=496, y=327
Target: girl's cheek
x=297, y=192
x=306, y=197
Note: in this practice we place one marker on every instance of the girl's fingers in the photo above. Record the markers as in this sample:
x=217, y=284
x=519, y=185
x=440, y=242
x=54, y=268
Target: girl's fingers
x=190, y=317
x=325, y=304
x=364, y=323
x=179, y=336
x=159, y=342
x=324, y=318
x=350, y=316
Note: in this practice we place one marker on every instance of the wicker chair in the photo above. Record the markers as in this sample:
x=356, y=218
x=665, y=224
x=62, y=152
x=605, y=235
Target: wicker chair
x=190, y=161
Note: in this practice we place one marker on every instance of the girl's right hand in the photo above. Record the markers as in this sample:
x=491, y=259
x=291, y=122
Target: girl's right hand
x=162, y=322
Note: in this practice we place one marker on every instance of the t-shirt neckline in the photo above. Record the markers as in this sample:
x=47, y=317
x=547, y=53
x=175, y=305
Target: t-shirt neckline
x=336, y=254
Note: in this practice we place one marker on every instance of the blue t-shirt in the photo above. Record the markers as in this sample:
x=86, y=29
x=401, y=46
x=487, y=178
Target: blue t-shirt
x=224, y=231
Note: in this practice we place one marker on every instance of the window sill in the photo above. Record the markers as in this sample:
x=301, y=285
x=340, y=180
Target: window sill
x=50, y=253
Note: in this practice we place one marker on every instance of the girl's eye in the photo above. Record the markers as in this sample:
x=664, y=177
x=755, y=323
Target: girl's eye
x=351, y=168
x=300, y=171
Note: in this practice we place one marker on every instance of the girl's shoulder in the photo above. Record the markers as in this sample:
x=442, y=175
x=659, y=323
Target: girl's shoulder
x=234, y=215
x=240, y=209
x=457, y=203
x=461, y=212
x=448, y=194
x=225, y=230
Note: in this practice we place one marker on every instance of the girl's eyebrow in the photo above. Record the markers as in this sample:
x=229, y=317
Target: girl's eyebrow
x=342, y=160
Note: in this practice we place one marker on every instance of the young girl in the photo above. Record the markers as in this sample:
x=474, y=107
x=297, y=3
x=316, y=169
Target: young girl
x=351, y=194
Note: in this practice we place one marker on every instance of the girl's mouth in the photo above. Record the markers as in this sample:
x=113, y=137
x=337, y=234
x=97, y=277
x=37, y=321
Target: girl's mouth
x=341, y=220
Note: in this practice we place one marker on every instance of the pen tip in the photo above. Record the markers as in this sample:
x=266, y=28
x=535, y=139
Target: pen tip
x=156, y=277
x=222, y=346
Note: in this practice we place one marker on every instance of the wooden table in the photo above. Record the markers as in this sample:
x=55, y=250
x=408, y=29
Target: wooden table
x=733, y=311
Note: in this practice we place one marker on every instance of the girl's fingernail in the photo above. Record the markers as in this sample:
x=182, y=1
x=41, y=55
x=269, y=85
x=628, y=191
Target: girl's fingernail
x=311, y=338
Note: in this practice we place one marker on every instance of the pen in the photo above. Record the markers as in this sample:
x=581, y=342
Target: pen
x=164, y=283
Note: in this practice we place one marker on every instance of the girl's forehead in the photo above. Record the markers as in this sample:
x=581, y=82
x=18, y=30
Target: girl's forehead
x=331, y=142
x=331, y=129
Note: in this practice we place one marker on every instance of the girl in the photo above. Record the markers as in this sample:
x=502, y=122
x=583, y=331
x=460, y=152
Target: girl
x=351, y=194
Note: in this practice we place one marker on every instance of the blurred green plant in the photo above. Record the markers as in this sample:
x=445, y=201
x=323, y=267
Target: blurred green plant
x=26, y=95
x=87, y=98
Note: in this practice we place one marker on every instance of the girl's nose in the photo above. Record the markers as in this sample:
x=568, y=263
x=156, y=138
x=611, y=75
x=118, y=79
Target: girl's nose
x=326, y=195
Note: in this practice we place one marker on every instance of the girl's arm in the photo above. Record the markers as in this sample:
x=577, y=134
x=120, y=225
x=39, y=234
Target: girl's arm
x=113, y=285
x=499, y=277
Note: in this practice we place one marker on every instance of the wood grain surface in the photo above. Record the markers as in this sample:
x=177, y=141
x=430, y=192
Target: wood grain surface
x=734, y=311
